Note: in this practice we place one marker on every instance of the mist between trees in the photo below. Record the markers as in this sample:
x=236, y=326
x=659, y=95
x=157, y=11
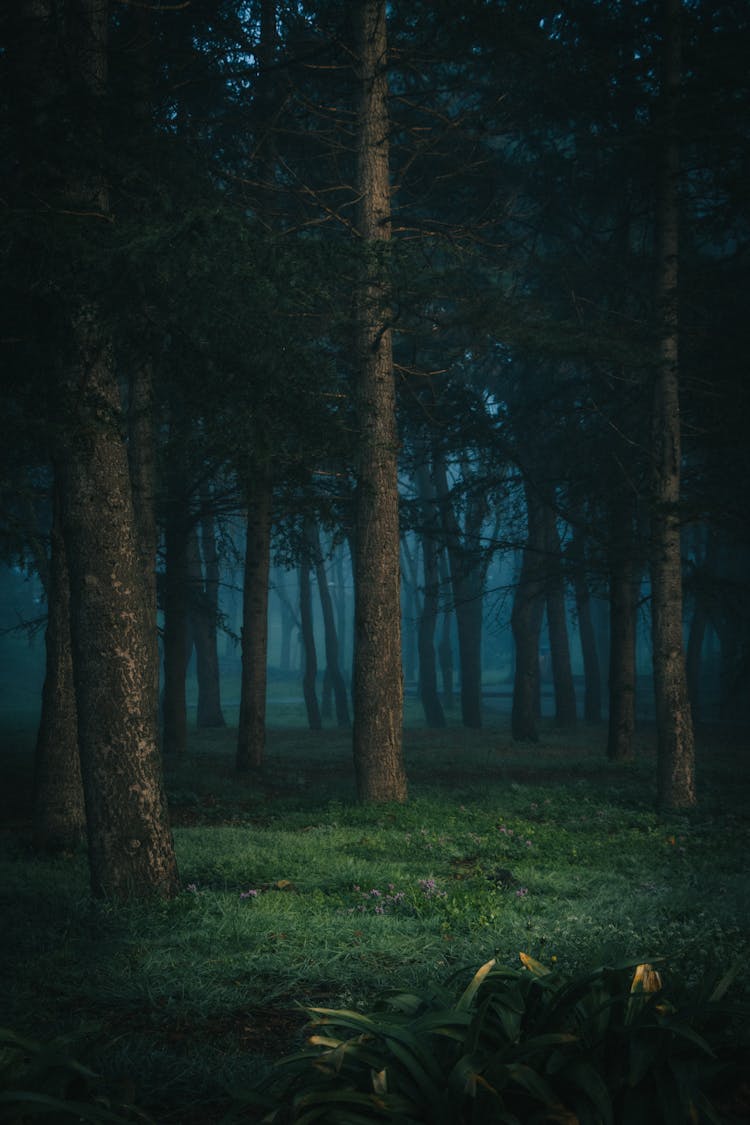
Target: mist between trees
x=362, y=348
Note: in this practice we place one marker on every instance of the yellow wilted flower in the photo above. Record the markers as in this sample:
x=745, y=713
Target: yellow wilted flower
x=645, y=978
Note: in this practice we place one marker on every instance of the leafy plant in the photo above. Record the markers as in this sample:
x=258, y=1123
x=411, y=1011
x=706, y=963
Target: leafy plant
x=517, y=1046
x=45, y=1081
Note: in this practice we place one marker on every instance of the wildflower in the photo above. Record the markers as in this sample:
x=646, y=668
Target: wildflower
x=529, y=844
x=192, y=888
x=522, y=892
x=374, y=893
x=249, y=894
x=355, y=887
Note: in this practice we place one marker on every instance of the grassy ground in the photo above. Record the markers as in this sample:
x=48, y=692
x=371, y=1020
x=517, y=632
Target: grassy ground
x=294, y=894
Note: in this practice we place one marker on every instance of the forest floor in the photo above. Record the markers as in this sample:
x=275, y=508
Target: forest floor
x=295, y=896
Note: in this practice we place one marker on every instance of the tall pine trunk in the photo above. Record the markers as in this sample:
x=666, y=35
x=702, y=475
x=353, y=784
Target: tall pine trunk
x=251, y=735
x=675, y=744
x=557, y=625
x=526, y=624
x=111, y=608
x=333, y=669
x=378, y=680
x=204, y=617
x=592, y=697
x=177, y=642
x=428, y=688
x=309, y=654
x=622, y=631
x=59, y=813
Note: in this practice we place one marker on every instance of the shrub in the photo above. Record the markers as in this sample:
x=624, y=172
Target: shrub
x=518, y=1046
x=44, y=1081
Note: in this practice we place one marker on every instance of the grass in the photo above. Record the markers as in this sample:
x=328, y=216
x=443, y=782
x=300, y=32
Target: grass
x=550, y=850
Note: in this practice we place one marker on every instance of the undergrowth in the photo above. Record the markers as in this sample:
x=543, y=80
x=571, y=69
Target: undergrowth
x=294, y=896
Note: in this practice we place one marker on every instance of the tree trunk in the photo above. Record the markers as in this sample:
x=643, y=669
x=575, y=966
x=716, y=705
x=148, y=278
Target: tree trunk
x=445, y=644
x=526, y=624
x=333, y=670
x=428, y=689
x=59, y=814
x=675, y=745
x=622, y=636
x=592, y=699
x=204, y=619
x=557, y=625
x=310, y=665
x=378, y=682
x=467, y=568
x=177, y=641
x=251, y=734
x=111, y=609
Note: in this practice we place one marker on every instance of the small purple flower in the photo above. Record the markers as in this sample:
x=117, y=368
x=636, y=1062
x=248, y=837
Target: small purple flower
x=529, y=844
x=192, y=888
x=249, y=894
x=374, y=893
x=522, y=892
x=355, y=887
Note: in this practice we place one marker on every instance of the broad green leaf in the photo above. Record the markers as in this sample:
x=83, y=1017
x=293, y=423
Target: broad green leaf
x=587, y=1078
x=82, y=1111
x=724, y=984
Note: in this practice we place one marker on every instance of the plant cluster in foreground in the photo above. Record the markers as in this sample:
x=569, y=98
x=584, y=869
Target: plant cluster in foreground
x=529, y=1046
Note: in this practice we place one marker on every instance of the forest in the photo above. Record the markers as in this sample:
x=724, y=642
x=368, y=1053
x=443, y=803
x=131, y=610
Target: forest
x=374, y=376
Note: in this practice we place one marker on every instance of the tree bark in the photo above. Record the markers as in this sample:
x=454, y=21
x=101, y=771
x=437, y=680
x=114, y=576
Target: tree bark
x=310, y=658
x=557, y=625
x=111, y=610
x=445, y=643
x=59, y=813
x=251, y=734
x=204, y=617
x=622, y=633
x=675, y=744
x=428, y=688
x=468, y=566
x=526, y=624
x=592, y=699
x=333, y=670
x=378, y=681
x=177, y=640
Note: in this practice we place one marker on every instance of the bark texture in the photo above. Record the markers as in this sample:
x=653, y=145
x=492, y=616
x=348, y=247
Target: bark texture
x=251, y=735
x=557, y=624
x=59, y=812
x=378, y=681
x=675, y=744
x=592, y=697
x=111, y=609
x=428, y=686
x=112, y=626
x=622, y=634
x=309, y=654
x=333, y=668
x=526, y=624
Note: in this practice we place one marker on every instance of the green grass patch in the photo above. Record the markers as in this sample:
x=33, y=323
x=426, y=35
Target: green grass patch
x=295, y=895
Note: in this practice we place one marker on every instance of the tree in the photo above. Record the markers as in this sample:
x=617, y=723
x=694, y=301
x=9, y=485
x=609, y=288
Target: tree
x=112, y=623
x=378, y=682
x=676, y=755
x=59, y=813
